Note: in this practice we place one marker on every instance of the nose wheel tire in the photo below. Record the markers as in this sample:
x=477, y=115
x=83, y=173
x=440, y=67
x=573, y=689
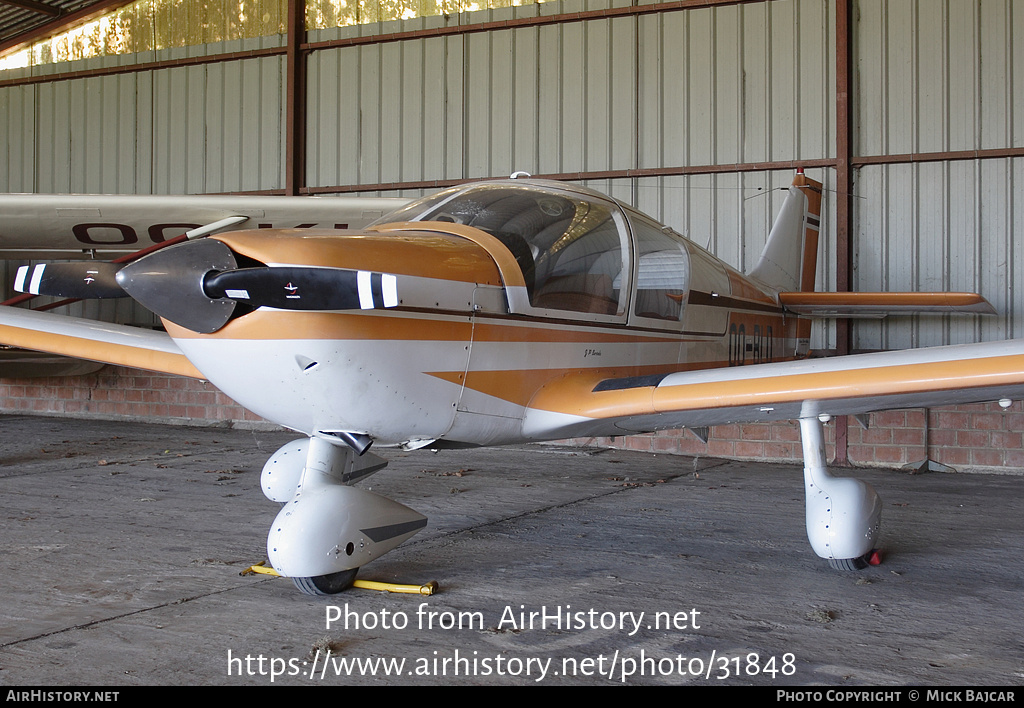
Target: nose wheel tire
x=327, y=584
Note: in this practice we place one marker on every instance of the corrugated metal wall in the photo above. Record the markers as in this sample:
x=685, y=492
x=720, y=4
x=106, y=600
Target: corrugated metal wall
x=188, y=130
x=934, y=77
x=942, y=226
x=743, y=83
x=739, y=84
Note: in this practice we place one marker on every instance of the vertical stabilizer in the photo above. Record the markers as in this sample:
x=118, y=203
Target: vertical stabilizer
x=790, y=257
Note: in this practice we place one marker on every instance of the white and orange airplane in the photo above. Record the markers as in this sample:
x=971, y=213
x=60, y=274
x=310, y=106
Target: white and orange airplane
x=494, y=313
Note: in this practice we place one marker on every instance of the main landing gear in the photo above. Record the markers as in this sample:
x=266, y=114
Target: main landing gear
x=327, y=529
x=843, y=515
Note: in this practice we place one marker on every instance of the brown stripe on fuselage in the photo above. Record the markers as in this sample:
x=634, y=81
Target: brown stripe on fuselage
x=397, y=325
x=698, y=297
x=743, y=289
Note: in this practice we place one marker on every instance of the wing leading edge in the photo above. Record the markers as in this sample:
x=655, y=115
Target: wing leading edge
x=96, y=341
x=584, y=405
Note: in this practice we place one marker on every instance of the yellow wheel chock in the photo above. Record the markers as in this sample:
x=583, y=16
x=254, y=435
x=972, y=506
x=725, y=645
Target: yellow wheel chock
x=425, y=589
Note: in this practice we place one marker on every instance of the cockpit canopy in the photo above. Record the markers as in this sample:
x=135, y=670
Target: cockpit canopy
x=572, y=245
x=568, y=246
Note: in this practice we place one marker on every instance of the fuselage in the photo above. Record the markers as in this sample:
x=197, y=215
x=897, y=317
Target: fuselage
x=503, y=290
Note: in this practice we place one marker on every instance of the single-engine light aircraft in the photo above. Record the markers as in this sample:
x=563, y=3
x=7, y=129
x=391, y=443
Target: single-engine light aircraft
x=503, y=312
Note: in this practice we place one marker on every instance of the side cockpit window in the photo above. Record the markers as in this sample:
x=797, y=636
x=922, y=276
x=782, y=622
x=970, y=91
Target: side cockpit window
x=569, y=247
x=663, y=272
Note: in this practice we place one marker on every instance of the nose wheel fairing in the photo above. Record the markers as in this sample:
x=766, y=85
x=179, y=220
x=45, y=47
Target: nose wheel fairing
x=327, y=527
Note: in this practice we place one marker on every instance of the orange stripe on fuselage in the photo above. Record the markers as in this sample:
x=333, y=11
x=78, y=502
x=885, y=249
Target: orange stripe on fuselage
x=339, y=326
x=519, y=386
x=511, y=273
x=509, y=330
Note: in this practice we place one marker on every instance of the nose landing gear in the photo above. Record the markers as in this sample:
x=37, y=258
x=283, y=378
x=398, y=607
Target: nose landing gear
x=327, y=529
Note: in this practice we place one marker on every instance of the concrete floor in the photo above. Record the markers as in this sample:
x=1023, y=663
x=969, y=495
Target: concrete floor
x=123, y=545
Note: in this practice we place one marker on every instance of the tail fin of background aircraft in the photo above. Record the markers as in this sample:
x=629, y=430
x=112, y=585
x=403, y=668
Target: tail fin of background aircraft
x=790, y=257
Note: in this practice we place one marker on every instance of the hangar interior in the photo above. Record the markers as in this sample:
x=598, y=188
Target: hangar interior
x=695, y=112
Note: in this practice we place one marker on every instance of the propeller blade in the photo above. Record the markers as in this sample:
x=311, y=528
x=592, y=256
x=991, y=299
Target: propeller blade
x=72, y=279
x=305, y=288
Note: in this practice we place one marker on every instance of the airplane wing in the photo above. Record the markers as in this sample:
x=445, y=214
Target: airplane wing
x=865, y=304
x=95, y=341
x=586, y=404
x=68, y=225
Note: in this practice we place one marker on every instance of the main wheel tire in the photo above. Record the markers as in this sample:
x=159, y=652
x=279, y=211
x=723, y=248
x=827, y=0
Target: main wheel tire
x=849, y=563
x=327, y=584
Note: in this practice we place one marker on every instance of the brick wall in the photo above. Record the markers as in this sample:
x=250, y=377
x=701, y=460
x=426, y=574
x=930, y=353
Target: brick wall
x=968, y=437
x=981, y=436
x=129, y=394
